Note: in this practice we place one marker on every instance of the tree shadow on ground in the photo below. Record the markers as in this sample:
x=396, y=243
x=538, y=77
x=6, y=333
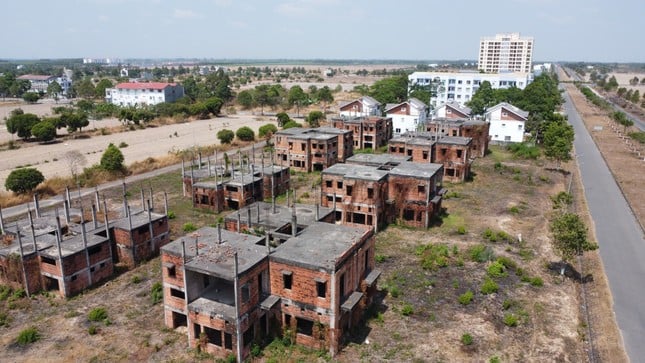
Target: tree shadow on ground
x=558, y=170
x=570, y=272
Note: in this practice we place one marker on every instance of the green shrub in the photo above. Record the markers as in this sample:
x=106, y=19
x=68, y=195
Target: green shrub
x=225, y=136
x=156, y=294
x=433, y=256
x=407, y=310
x=452, y=194
x=5, y=291
x=380, y=258
x=496, y=270
x=461, y=230
x=171, y=215
x=4, y=319
x=189, y=227
x=23, y=180
x=537, y=282
x=112, y=159
x=291, y=124
x=489, y=286
x=267, y=130
x=507, y=262
x=97, y=314
x=466, y=298
x=508, y=303
x=510, y=319
x=481, y=253
x=28, y=336
x=394, y=291
x=524, y=150
x=135, y=279
x=466, y=339
x=495, y=359
x=245, y=133
x=93, y=329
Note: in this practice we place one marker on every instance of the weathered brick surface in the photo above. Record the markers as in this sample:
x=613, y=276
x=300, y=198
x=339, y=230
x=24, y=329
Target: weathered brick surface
x=209, y=198
x=368, y=132
x=455, y=159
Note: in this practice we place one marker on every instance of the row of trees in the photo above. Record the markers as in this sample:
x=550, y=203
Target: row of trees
x=631, y=95
x=277, y=95
x=26, y=125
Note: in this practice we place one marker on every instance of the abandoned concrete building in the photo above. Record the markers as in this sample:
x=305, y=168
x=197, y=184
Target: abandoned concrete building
x=71, y=253
x=309, y=150
x=453, y=152
x=475, y=129
x=378, y=194
x=370, y=132
x=309, y=279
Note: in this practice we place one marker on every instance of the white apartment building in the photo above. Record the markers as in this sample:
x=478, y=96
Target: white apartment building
x=39, y=83
x=407, y=116
x=139, y=94
x=461, y=86
x=507, y=123
x=505, y=53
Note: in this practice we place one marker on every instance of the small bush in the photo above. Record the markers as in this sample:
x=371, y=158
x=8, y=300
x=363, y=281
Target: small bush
x=466, y=298
x=451, y=194
x=407, y=310
x=489, y=286
x=28, y=336
x=123, y=144
x=495, y=359
x=267, y=130
x=135, y=279
x=5, y=291
x=380, y=258
x=507, y=262
x=467, y=339
x=189, y=227
x=4, y=319
x=481, y=253
x=97, y=314
x=171, y=215
x=92, y=330
x=225, y=136
x=537, y=282
x=394, y=291
x=461, y=230
x=510, y=319
x=524, y=150
x=157, y=293
x=245, y=133
x=508, y=303
x=496, y=270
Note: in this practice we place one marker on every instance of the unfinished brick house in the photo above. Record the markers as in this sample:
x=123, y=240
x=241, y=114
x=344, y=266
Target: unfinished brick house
x=474, y=129
x=419, y=147
x=232, y=289
x=309, y=150
x=370, y=132
x=139, y=236
x=376, y=195
x=454, y=153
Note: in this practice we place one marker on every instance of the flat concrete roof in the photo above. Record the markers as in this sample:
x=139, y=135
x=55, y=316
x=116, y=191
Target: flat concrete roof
x=217, y=259
x=139, y=218
x=420, y=141
x=43, y=242
x=305, y=215
x=209, y=185
x=73, y=244
x=245, y=179
x=321, y=245
x=333, y=130
x=356, y=171
x=455, y=140
x=416, y=170
x=271, y=169
x=376, y=159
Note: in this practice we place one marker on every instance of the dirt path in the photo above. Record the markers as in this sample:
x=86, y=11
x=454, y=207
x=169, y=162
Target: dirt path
x=149, y=142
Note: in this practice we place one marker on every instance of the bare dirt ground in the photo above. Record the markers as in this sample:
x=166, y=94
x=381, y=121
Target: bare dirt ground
x=142, y=143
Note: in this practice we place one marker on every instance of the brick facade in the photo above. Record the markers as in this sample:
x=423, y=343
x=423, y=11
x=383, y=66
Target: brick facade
x=307, y=150
x=369, y=132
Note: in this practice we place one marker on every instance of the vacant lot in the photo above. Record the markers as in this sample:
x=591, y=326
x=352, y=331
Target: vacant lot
x=533, y=316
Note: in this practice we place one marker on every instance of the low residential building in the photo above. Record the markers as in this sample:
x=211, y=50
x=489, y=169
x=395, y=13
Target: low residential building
x=40, y=83
x=362, y=107
x=461, y=86
x=364, y=194
x=312, y=149
x=507, y=123
x=452, y=110
x=407, y=116
x=477, y=130
x=141, y=94
x=230, y=289
x=368, y=132
x=453, y=152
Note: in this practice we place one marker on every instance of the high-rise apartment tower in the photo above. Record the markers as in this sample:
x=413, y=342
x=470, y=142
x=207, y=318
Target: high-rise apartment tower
x=505, y=53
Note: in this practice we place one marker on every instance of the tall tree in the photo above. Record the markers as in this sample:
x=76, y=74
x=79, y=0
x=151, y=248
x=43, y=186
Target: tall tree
x=84, y=88
x=390, y=90
x=54, y=90
x=297, y=97
x=24, y=180
x=326, y=97
x=482, y=99
x=112, y=159
x=21, y=123
x=558, y=141
x=570, y=236
x=245, y=99
x=99, y=90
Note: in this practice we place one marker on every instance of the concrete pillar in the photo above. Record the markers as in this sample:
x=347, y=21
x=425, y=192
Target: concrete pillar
x=199, y=155
x=36, y=205
x=208, y=160
x=33, y=231
x=95, y=223
x=66, y=211
x=257, y=208
x=183, y=266
x=131, y=237
x=183, y=175
x=266, y=243
x=96, y=199
x=219, y=233
x=272, y=192
x=68, y=197
x=107, y=226
x=248, y=217
x=59, y=239
x=143, y=199
x=151, y=206
x=87, y=253
x=1, y=221
x=294, y=222
x=196, y=244
x=22, y=260
x=150, y=229
x=165, y=203
x=238, y=332
x=239, y=221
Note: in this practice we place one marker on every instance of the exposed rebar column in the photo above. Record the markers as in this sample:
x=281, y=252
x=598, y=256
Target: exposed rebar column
x=238, y=333
x=317, y=211
x=152, y=235
x=87, y=253
x=36, y=205
x=253, y=151
x=183, y=266
x=125, y=206
x=288, y=196
x=131, y=236
x=266, y=243
x=143, y=199
x=96, y=198
x=199, y=155
x=248, y=217
x=219, y=233
x=257, y=208
x=294, y=221
x=208, y=160
x=272, y=191
x=33, y=231
x=1, y=221
x=107, y=226
x=165, y=203
x=95, y=223
x=68, y=197
x=334, y=203
x=66, y=210
x=22, y=260
x=262, y=159
x=59, y=239
x=124, y=187
x=239, y=221
x=152, y=200
x=294, y=196
x=196, y=244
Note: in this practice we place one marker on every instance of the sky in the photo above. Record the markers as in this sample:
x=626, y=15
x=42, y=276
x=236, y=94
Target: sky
x=564, y=30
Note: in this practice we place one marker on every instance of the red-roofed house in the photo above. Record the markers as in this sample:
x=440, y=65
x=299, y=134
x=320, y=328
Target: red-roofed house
x=133, y=94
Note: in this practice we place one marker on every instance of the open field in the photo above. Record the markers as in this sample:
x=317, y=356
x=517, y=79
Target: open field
x=418, y=318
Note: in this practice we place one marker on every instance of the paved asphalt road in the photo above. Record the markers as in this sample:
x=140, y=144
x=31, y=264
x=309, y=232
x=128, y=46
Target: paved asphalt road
x=621, y=240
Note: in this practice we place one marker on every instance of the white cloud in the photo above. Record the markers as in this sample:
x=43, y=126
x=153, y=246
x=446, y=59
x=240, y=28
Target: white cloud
x=184, y=14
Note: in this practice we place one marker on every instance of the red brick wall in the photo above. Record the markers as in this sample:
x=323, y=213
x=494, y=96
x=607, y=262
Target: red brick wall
x=215, y=197
x=451, y=160
x=303, y=287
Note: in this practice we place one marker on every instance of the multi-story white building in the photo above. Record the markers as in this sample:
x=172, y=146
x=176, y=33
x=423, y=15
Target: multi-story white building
x=139, y=94
x=407, y=116
x=39, y=83
x=505, y=53
x=362, y=107
x=507, y=122
x=461, y=86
